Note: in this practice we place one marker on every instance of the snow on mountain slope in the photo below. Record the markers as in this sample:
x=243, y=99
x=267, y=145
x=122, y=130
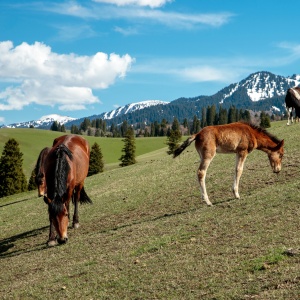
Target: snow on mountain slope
x=45, y=121
x=129, y=108
x=262, y=85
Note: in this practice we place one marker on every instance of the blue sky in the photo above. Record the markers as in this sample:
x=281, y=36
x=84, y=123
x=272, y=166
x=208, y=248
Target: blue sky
x=80, y=58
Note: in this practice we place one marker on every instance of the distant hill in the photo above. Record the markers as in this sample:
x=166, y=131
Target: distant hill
x=44, y=122
x=259, y=91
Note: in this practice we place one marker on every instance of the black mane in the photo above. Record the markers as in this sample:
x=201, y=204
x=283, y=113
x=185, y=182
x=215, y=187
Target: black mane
x=62, y=169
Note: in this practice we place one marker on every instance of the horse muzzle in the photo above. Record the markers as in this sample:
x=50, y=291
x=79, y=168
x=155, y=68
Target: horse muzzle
x=62, y=241
x=277, y=169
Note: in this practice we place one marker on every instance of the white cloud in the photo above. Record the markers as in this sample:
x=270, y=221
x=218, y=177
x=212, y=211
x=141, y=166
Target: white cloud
x=150, y=3
x=293, y=50
x=38, y=75
x=126, y=31
x=140, y=13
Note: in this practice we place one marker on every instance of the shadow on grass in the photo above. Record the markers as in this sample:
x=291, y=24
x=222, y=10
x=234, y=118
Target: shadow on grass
x=16, y=202
x=9, y=243
x=169, y=215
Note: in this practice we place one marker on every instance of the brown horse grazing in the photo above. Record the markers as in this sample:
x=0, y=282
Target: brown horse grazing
x=240, y=138
x=66, y=167
x=40, y=172
x=292, y=102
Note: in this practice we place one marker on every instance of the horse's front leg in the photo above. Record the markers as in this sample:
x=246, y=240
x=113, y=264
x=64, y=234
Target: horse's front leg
x=201, y=173
x=76, y=198
x=52, y=234
x=240, y=159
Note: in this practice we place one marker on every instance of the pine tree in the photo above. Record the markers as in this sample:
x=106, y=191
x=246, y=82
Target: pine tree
x=203, y=117
x=31, y=184
x=96, y=160
x=222, y=116
x=232, y=114
x=12, y=178
x=128, y=158
x=54, y=126
x=265, y=121
x=174, y=137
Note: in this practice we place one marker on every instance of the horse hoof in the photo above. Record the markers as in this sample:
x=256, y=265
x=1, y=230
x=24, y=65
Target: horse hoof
x=51, y=243
x=76, y=225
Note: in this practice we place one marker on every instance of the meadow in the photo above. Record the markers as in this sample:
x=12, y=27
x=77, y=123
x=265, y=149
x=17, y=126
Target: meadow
x=148, y=235
x=32, y=141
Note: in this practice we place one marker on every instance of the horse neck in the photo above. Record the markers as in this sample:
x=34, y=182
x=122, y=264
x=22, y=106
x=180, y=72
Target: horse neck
x=265, y=143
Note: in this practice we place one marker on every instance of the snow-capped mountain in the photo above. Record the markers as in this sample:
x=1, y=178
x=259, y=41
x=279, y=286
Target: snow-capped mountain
x=262, y=85
x=43, y=122
x=260, y=91
x=129, y=108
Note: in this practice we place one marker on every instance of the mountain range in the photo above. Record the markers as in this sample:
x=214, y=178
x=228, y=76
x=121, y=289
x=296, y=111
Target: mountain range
x=260, y=91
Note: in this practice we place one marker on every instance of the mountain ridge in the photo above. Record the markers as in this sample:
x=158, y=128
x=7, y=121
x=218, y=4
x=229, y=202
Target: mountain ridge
x=259, y=91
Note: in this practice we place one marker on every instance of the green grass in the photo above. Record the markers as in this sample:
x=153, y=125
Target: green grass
x=32, y=141
x=147, y=235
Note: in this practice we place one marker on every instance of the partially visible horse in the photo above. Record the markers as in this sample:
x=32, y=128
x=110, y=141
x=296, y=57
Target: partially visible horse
x=40, y=172
x=292, y=102
x=66, y=167
x=240, y=138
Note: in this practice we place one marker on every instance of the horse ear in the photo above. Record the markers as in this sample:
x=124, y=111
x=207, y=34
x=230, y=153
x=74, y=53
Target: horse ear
x=279, y=145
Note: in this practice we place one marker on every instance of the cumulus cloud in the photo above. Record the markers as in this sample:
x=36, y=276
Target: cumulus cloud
x=38, y=75
x=150, y=3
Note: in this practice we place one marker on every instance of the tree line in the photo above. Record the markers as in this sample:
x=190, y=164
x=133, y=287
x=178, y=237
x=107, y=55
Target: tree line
x=209, y=116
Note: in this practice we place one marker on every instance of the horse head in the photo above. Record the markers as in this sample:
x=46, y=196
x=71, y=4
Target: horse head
x=59, y=215
x=275, y=157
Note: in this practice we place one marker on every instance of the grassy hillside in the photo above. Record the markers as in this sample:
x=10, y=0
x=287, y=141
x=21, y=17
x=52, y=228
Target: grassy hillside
x=32, y=141
x=148, y=236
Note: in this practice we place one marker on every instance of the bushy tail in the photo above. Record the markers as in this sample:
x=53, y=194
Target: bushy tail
x=184, y=145
x=84, y=198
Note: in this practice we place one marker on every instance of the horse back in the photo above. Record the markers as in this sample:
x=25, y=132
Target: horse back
x=292, y=98
x=234, y=137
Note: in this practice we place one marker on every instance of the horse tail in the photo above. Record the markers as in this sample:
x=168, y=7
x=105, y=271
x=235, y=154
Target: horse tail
x=84, y=198
x=62, y=169
x=184, y=145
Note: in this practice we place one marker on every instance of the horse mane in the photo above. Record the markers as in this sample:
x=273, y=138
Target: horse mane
x=262, y=131
x=38, y=167
x=62, y=169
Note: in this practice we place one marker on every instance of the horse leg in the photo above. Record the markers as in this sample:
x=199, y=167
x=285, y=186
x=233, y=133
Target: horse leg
x=240, y=159
x=201, y=173
x=76, y=200
x=289, y=113
x=52, y=234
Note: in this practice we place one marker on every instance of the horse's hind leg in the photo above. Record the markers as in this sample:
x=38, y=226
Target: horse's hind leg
x=289, y=111
x=201, y=173
x=240, y=159
x=76, y=196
